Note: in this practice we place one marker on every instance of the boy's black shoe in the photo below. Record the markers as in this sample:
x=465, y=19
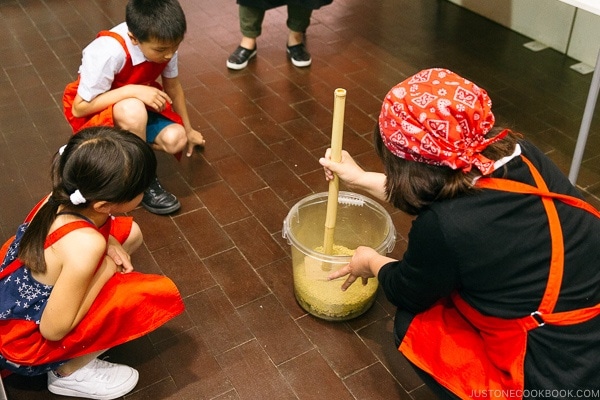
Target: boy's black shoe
x=158, y=201
x=298, y=55
x=239, y=58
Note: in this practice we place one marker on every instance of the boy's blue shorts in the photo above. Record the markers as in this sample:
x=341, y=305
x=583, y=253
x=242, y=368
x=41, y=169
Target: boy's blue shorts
x=156, y=123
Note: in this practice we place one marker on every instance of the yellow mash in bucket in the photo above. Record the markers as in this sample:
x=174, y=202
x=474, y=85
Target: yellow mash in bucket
x=325, y=298
x=337, y=250
x=360, y=221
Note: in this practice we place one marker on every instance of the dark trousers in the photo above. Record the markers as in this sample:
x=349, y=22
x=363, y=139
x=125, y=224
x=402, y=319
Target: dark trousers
x=251, y=20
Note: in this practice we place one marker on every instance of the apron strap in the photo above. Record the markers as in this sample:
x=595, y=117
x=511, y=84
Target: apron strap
x=117, y=37
x=557, y=258
x=50, y=239
x=59, y=233
x=519, y=187
x=16, y=263
x=10, y=268
x=544, y=314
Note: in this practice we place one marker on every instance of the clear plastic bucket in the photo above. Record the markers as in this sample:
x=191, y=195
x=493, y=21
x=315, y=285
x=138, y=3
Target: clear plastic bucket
x=360, y=222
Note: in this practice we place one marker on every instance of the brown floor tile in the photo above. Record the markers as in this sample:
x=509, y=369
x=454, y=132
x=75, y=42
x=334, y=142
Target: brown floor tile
x=253, y=374
x=192, y=366
x=283, y=181
x=254, y=242
x=239, y=175
x=216, y=320
x=375, y=382
x=224, y=205
x=203, y=232
x=338, y=344
x=311, y=377
x=270, y=323
x=236, y=277
x=252, y=150
x=278, y=277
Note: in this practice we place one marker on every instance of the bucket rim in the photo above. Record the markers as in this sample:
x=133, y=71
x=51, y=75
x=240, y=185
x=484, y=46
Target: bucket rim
x=384, y=248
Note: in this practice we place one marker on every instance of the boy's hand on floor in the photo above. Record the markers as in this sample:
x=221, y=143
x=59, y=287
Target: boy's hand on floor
x=195, y=138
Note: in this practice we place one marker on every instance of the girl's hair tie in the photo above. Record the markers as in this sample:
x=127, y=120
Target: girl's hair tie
x=77, y=198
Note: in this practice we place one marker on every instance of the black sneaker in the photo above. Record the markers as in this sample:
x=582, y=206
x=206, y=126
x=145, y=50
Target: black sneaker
x=239, y=58
x=158, y=201
x=298, y=55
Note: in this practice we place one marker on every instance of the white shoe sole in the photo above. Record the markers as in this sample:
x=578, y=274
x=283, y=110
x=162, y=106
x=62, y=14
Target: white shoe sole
x=243, y=65
x=301, y=64
x=76, y=393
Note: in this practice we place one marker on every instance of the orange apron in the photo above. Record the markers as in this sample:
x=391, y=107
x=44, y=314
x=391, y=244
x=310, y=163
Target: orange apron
x=475, y=355
x=127, y=307
x=145, y=73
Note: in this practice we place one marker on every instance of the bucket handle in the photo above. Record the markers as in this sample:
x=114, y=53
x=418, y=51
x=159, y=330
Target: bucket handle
x=392, y=243
x=284, y=231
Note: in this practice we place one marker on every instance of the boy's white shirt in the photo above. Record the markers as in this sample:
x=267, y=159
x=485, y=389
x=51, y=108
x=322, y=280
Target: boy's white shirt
x=104, y=57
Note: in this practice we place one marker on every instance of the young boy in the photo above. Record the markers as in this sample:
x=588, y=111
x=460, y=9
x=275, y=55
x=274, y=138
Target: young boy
x=117, y=86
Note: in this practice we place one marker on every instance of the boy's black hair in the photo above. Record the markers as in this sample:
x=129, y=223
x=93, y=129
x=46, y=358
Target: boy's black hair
x=161, y=20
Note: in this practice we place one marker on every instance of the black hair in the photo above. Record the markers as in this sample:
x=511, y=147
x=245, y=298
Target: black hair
x=104, y=164
x=410, y=185
x=161, y=20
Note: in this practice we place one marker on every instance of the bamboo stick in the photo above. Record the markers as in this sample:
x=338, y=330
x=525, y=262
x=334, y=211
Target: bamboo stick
x=337, y=132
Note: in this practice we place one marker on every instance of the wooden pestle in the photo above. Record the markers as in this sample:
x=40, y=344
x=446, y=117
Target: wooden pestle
x=337, y=132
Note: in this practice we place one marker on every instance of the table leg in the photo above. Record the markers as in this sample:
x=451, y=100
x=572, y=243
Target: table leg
x=586, y=122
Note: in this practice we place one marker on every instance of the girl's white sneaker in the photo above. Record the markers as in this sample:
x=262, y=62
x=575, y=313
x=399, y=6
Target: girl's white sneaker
x=99, y=379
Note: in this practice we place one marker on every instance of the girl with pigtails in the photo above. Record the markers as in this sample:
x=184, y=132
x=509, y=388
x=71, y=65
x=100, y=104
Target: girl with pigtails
x=68, y=289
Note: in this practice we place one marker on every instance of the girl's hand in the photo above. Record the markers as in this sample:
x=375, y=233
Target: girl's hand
x=120, y=257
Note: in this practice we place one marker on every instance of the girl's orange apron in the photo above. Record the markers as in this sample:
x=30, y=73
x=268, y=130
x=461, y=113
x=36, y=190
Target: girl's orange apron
x=145, y=73
x=127, y=307
x=468, y=352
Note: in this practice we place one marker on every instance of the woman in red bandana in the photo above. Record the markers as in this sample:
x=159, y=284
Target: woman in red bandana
x=498, y=293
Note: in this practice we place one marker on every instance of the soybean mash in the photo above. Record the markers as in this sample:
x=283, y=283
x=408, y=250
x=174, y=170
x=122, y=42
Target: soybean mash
x=325, y=299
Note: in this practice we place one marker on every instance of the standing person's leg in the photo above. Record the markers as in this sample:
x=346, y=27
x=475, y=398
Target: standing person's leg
x=251, y=20
x=297, y=23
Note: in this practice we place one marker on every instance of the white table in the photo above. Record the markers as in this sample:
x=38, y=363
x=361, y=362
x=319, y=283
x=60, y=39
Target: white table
x=592, y=6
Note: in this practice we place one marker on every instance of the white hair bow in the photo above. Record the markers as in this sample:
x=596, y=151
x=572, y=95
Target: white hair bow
x=77, y=198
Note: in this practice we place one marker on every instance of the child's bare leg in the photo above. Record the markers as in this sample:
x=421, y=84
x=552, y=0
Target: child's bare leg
x=134, y=240
x=131, y=114
x=76, y=363
x=171, y=139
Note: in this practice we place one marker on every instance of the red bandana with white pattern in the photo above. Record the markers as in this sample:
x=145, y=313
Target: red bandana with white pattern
x=437, y=117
